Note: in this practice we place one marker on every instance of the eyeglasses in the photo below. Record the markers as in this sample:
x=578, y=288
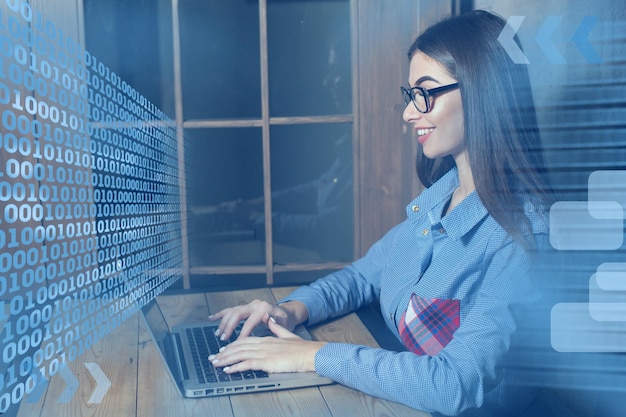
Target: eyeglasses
x=422, y=98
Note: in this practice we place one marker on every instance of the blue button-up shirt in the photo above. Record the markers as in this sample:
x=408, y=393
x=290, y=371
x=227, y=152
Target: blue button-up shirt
x=465, y=255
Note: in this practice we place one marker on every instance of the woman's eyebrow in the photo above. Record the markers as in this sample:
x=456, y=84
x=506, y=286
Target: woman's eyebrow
x=425, y=78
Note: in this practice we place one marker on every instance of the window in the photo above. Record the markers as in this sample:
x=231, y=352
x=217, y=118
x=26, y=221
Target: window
x=262, y=94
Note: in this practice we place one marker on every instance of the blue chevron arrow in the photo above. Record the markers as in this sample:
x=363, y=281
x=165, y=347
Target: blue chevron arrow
x=508, y=43
x=71, y=385
x=39, y=389
x=544, y=39
x=581, y=40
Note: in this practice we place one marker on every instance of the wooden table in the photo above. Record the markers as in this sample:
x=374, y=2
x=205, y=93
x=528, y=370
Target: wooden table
x=140, y=385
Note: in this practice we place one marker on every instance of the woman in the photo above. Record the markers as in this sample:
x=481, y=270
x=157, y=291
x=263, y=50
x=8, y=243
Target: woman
x=448, y=278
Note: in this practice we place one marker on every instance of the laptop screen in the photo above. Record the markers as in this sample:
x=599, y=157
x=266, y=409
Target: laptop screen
x=161, y=335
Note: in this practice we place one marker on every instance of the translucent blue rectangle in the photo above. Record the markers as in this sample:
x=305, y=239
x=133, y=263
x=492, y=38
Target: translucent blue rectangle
x=606, y=305
x=608, y=185
x=611, y=276
x=572, y=227
x=572, y=329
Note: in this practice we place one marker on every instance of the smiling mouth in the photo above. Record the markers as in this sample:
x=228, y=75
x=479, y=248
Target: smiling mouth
x=422, y=132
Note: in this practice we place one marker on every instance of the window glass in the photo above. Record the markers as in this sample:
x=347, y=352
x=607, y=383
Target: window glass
x=225, y=196
x=312, y=187
x=134, y=39
x=221, y=76
x=309, y=57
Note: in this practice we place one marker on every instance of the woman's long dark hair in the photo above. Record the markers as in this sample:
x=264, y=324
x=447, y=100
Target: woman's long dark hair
x=500, y=125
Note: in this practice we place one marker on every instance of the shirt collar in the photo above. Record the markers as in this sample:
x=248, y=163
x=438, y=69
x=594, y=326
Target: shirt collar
x=433, y=199
x=465, y=216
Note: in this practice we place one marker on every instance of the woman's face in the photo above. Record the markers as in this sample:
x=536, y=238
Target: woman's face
x=440, y=131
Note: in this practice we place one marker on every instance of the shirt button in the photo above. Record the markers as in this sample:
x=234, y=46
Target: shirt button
x=415, y=208
x=442, y=230
x=425, y=232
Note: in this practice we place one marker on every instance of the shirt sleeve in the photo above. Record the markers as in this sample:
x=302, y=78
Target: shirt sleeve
x=348, y=289
x=460, y=375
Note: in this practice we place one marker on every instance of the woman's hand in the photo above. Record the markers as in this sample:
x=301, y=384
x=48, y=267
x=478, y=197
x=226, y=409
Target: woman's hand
x=284, y=353
x=288, y=315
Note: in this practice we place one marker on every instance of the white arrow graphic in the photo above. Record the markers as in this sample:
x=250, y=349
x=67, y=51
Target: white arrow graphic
x=71, y=385
x=508, y=43
x=102, y=383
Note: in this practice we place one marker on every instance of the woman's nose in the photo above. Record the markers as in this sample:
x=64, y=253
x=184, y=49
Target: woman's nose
x=410, y=113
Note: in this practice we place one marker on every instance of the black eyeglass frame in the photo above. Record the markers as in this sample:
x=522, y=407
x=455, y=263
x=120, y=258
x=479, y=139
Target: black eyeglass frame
x=426, y=93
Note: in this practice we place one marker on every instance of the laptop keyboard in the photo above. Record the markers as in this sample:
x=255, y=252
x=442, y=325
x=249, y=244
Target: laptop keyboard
x=203, y=343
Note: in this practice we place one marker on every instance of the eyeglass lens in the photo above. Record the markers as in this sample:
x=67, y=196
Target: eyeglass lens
x=417, y=96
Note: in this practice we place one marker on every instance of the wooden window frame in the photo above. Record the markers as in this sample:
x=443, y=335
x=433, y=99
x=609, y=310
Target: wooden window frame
x=265, y=122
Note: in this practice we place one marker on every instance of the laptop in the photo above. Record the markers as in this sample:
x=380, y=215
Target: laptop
x=185, y=349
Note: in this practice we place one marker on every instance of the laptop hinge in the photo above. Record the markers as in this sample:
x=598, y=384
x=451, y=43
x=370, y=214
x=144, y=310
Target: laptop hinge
x=180, y=356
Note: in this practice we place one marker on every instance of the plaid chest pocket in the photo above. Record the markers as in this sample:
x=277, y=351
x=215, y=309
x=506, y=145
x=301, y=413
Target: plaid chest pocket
x=428, y=324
